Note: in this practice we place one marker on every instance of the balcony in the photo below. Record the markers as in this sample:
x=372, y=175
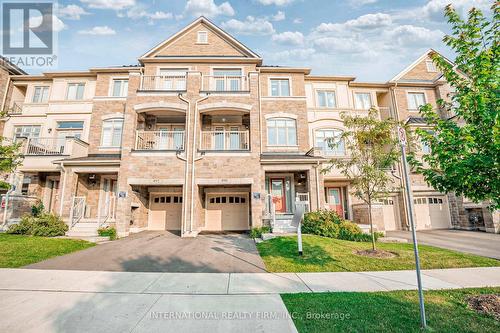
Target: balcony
x=15, y=109
x=224, y=141
x=159, y=140
x=225, y=83
x=326, y=152
x=167, y=83
x=39, y=153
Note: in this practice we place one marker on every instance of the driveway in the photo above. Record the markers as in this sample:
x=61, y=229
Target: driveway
x=157, y=251
x=475, y=242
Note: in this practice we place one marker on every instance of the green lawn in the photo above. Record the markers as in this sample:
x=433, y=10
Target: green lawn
x=18, y=250
x=332, y=255
x=395, y=311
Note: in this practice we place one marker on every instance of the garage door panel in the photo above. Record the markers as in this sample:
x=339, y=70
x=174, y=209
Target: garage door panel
x=227, y=212
x=432, y=212
x=165, y=212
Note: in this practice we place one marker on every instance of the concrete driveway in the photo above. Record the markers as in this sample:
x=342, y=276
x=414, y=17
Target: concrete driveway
x=475, y=242
x=157, y=251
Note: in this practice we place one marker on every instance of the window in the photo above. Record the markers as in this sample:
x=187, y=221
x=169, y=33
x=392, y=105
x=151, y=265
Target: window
x=330, y=141
x=280, y=87
x=112, y=133
x=326, y=99
x=281, y=132
x=431, y=66
x=202, y=37
x=41, y=94
x=227, y=79
x=27, y=131
x=69, y=128
x=75, y=91
x=426, y=149
x=120, y=88
x=415, y=100
x=362, y=101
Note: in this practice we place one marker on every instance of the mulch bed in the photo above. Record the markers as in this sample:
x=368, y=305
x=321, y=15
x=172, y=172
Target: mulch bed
x=487, y=304
x=382, y=254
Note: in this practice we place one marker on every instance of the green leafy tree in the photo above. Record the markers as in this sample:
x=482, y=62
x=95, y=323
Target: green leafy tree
x=10, y=158
x=372, y=150
x=465, y=149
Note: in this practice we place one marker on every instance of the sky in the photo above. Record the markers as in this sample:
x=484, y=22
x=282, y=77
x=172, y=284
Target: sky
x=370, y=39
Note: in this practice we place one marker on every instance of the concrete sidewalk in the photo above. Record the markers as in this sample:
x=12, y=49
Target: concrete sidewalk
x=83, y=301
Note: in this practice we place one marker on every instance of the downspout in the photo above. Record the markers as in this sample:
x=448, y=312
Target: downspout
x=260, y=111
x=193, y=159
x=317, y=185
x=63, y=189
x=186, y=140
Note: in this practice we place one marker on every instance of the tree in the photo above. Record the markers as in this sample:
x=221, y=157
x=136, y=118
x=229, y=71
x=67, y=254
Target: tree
x=465, y=149
x=10, y=158
x=372, y=150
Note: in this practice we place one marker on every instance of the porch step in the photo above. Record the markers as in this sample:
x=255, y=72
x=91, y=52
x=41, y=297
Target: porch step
x=86, y=228
x=283, y=225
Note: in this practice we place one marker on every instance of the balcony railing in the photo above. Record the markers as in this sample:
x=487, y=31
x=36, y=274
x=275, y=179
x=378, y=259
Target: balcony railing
x=325, y=152
x=159, y=140
x=163, y=82
x=15, y=109
x=225, y=83
x=224, y=140
x=45, y=146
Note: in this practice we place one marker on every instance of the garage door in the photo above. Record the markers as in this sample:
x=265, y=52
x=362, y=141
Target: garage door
x=391, y=213
x=165, y=212
x=227, y=212
x=432, y=212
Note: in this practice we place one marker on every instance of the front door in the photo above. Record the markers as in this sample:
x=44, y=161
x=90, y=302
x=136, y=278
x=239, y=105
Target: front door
x=335, y=200
x=277, y=186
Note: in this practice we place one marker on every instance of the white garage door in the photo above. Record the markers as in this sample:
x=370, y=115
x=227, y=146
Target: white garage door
x=391, y=213
x=227, y=212
x=165, y=212
x=432, y=212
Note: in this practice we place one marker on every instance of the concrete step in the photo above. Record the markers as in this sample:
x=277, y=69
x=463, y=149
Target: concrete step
x=82, y=233
x=284, y=229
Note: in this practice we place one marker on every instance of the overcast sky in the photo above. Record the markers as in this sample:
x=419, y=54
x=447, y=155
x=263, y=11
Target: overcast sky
x=369, y=39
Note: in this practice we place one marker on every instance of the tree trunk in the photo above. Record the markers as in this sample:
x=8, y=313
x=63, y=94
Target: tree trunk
x=371, y=225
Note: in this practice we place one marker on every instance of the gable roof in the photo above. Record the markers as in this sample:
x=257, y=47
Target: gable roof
x=248, y=53
x=416, y=62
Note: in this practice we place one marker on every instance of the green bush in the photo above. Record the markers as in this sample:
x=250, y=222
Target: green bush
x=45, y=224
x=258, y=231
x=107, y=232
x=38, y=209
x=328, y=223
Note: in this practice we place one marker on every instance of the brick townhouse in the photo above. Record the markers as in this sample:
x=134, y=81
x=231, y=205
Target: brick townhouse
x=201, y=136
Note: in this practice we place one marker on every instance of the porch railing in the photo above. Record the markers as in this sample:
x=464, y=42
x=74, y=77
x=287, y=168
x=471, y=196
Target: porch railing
x=159, y=140
x=78, y=207
x=175, y=82
x=270, y=210
x=45, y=146
x=109, y=210
x=224, y=140
x=225, y=83
x=304, y=198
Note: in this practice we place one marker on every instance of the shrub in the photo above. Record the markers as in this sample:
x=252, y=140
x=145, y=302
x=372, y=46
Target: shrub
x=45, y=224
x=107, y=232
x=258, y=231
x=328, y=223
x=37, y=209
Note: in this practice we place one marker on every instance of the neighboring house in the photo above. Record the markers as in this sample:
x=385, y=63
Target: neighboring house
x=199, y=136
x=6, y=70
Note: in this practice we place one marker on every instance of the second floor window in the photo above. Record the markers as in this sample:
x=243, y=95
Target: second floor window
x=27, y=131
x=41, y=94
x=281, y=132
x=415, y=100
x=227, y=79
x=280, y=87
x=362, y=101
x=326, y=99
x=69, y=128
x=112, y=133
x=329, y=141
x=120, y=88
x=75, y=91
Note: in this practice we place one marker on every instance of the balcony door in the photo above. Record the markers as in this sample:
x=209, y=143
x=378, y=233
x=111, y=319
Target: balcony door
x=168, y=139
x=172, y=79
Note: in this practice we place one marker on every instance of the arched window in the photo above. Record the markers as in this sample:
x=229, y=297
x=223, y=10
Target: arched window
x=281, y=132
x=329, y=141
